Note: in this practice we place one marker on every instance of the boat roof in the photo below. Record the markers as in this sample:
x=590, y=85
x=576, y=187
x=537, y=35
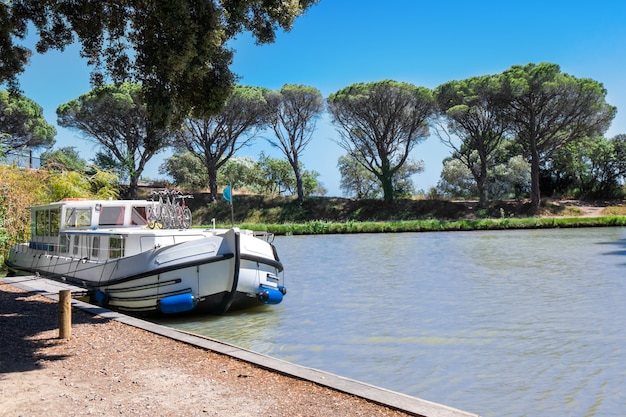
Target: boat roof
x=87, y=202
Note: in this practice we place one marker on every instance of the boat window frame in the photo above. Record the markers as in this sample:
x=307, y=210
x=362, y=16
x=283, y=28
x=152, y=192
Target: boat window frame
x=78, y=217
x=46, y=222
x=76, y=245
x=117, y=211
x=137, y=218
x=95, y=246
x=42, y=222
x=115, y=251
x=55, y=221
x=65, y=242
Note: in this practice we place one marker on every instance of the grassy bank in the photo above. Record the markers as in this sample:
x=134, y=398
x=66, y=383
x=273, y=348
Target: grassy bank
x=278, y=210
x=262, y=209
x=320, y=227
x=319, y=215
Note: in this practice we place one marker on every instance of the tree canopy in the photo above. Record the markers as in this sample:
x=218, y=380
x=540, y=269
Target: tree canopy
x=63, y=159
x=507, y=178
x=293, y=112
x=215, y=139
x=22, y=124
x=548, y=109
x=177, y=50
x=115, y=118
x=357, y=181
x=591, y=168
x=186, y=170
x=276, y=176
x=266, y=175
x=380, y=123
x=472, y=113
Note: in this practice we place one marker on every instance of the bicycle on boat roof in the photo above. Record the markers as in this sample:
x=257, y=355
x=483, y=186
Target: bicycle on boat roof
x=166, y=212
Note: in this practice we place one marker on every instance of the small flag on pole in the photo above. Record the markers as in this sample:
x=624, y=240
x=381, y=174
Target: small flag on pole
x=226, y=194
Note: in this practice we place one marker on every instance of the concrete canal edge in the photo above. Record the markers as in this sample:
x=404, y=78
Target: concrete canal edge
x=392, y=399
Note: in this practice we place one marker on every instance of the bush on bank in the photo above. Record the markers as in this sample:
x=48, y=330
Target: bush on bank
x=21, y=188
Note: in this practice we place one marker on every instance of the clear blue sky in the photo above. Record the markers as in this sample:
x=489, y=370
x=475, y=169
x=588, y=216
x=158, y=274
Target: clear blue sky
x=341, y=42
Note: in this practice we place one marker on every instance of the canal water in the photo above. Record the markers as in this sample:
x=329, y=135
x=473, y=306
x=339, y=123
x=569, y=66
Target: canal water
x=500, y=323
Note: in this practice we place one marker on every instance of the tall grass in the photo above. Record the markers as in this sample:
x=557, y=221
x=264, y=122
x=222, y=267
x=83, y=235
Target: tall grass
x=321, y=227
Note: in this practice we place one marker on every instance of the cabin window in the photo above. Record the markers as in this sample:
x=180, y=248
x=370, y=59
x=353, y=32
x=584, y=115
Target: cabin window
x=138, y=216
x=76, y=217
x=76, y=244
x=42, y=222
x=95, y=246
x=111, y=216
x=47, y=222
x=55, y=221
x=64, y=243
x=116, y=247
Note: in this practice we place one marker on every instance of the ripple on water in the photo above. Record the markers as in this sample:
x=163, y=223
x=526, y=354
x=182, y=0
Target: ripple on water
x=509, y=323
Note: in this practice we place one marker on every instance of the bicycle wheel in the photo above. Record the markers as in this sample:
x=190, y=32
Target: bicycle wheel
x=186, y=218
x=151, y=217
x=170, y=217
x=163, y=217
x=178, y=216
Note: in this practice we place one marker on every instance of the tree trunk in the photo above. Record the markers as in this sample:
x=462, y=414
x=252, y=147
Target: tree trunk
x=299, y=185
x=483, y=197
x=387, y=182
x=295, y=165
x=212, y=173
x=481, y=184
x=133, y=185
x=535, y=192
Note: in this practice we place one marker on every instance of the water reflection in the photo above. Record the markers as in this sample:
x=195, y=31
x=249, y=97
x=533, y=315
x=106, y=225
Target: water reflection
x=510, y=323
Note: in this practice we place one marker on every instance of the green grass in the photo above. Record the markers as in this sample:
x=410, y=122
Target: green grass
x=319, y=227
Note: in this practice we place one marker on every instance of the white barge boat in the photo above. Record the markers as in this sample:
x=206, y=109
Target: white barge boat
x=125, y=263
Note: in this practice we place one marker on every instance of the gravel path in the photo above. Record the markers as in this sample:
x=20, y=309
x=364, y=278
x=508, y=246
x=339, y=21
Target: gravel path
x=111, y=369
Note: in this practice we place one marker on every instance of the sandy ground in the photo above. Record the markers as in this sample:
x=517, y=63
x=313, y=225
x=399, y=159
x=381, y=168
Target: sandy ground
x=591, y=211
x=111, y=369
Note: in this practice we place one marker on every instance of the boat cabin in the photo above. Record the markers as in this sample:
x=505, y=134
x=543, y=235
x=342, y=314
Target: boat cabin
x=73, y=227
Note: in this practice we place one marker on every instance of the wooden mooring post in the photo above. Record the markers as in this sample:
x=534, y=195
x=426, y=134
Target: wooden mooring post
x=65, y=314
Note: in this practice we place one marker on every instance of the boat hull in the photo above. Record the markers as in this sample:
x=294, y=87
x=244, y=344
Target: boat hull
x=208, y=275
